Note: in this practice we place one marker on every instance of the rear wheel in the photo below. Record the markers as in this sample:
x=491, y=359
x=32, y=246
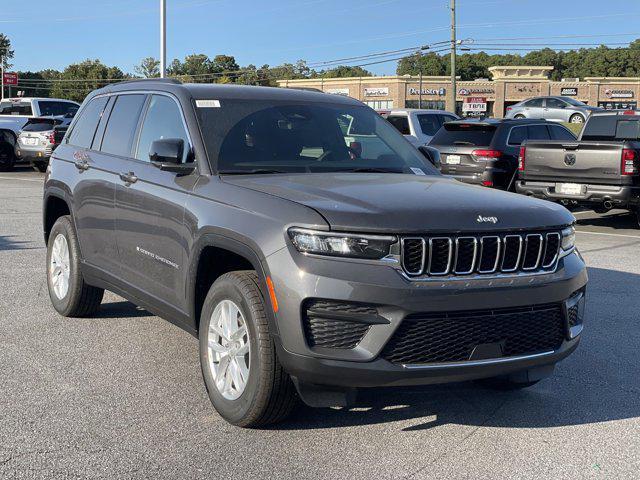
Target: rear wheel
x=7, y=157
x=576, y=118
x=70, y=295
x=241, y=371
x=519, y=116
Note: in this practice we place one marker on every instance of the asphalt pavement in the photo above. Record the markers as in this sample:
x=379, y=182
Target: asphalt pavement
x=120, y=395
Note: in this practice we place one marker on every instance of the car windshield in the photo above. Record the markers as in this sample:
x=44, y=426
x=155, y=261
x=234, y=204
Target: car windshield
x=574, y=102
x=244, y=136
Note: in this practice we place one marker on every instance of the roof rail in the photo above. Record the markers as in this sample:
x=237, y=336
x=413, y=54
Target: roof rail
x=174, y=81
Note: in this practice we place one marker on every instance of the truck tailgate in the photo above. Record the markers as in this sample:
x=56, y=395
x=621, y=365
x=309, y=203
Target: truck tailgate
x=578, y=162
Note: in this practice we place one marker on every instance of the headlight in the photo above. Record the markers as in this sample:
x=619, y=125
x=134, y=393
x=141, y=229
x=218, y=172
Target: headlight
x=568, y=238
x=341, y=244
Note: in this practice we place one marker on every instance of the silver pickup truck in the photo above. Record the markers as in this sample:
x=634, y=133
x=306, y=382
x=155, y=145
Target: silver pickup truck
x=14, y=114
x=600, y=170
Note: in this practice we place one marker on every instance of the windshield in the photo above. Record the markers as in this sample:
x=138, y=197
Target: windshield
x=574, y=102
x=245, y=136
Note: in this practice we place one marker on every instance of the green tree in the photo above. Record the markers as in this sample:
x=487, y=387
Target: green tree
x=344, y=71
x=6, y=52
x=149, y=67
x=79, y=79
x=431, y=64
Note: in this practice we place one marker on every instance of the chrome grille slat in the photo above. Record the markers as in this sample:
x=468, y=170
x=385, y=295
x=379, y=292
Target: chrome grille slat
x=480, y=254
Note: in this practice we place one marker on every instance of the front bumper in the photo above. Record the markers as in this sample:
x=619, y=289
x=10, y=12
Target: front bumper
x=621, y=196
x=298, y=278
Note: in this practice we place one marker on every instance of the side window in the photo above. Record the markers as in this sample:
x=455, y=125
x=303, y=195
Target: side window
x=447, y=118
x=538, y=132
x=555, y=103
x=48, y=108
x=535, y=103
x=517, y=135
x=121, y=127
x=85, y=127
x=559, y=133
x=401, y=123
x=429, y=123
x=163, y=120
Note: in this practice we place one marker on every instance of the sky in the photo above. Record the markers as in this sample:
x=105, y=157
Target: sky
x=47, y=34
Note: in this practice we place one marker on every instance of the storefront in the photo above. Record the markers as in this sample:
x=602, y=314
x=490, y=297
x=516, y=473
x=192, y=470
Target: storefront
x=484, y=97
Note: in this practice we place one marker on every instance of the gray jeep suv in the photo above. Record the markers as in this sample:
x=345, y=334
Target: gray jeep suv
x=307, y=266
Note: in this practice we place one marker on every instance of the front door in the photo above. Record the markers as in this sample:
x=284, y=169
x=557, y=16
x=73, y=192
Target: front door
x=151, y=235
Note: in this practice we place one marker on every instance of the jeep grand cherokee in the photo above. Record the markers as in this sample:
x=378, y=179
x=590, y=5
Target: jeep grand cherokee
x=305, y=266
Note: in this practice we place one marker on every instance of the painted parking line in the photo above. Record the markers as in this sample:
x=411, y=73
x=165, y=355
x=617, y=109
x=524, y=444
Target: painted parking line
x=608, y=234
x=22, y=179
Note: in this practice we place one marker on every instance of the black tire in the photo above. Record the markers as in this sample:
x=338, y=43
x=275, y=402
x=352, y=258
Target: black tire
x=40, y=166
x=269, y=395
x=7, y=157
x=519, y=116
x=576, y=118
x=504, y=384
x=80, y=300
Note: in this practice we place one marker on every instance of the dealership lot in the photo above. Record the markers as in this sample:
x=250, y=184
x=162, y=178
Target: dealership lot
x=121, y=394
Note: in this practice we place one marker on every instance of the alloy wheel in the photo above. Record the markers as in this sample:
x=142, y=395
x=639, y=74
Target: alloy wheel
x=59, y=266
x=228, y=349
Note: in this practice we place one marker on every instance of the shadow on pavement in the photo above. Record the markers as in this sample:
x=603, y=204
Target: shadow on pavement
x=620, y=220
x=6, y=243
x=122, y=309
x=598, y=383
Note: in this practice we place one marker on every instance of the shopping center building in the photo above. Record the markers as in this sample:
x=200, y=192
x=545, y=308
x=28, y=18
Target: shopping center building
x=489, y=97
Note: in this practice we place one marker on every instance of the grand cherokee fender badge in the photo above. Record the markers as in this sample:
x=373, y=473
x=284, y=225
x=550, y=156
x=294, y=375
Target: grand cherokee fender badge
x=157, y=257
x=482, y=219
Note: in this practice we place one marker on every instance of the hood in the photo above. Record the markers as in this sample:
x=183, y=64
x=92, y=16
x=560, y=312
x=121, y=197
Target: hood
x=398, y=203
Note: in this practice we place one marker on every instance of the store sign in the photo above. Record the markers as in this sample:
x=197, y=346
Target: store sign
x=474, y=105
x=569, y=91
x=610, y=93
x=428, y=91
x=475, y=91
x=376, y=92
x=10, y=78
x=618, y=105
x=338, y=91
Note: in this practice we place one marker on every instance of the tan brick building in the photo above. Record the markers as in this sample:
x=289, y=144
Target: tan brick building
x=507, y=86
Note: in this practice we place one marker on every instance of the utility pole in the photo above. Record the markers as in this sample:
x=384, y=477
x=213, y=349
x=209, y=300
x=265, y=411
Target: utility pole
x=2, y=75
x=163, y=38
x=453, y=55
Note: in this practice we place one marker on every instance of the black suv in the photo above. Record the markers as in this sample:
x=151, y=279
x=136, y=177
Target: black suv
x=307, y=266
x=486, y=152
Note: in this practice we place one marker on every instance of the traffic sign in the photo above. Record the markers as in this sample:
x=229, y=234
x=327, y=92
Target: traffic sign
x=10, y=78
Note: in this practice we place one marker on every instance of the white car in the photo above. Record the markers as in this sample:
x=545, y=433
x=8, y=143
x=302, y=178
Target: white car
x=419, y=125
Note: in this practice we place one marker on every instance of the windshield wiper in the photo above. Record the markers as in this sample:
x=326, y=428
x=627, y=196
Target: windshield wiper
x=255, y=171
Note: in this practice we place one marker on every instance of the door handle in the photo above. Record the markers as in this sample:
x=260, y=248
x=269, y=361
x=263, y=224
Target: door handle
x=129, y=177
x=82, y=165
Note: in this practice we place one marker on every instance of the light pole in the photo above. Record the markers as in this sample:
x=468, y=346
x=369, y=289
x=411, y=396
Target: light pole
x=163, y=38
x=453, y=55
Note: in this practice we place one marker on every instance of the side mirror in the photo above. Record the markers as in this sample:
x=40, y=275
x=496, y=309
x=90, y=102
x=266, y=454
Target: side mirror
x=431, y=154
x=166, y=154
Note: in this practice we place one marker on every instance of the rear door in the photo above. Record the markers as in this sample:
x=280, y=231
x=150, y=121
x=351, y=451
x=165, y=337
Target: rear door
x=93, y=188
x=534, y=108
x=150, y=208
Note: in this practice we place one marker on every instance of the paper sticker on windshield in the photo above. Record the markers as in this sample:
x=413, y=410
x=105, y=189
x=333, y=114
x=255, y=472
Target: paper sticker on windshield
x=417, y=171
x=208, y=103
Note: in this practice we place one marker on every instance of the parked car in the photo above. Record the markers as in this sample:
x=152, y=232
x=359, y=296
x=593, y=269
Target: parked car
x=486, y=152
x=242, y=215
x=419, y=125
x=600, y=170
x=556, y=109
x=14, y=114
x=38, y=138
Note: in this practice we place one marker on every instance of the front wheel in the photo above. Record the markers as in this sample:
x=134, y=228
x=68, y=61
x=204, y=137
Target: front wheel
x=241, y=371
x=519, y=117
x=70, y=295
x=576, y=118
x=40, y=166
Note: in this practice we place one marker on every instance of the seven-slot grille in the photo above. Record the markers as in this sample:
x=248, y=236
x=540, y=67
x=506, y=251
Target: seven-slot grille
x=480, y=254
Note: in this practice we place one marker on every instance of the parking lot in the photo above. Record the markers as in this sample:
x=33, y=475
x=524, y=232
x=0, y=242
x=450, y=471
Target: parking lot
x=121, y=394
